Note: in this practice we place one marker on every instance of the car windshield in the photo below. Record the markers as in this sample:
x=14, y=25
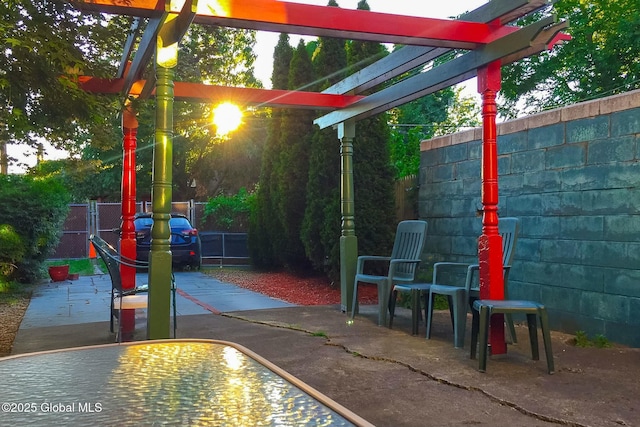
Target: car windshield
x=179, y=223
x=175, y=223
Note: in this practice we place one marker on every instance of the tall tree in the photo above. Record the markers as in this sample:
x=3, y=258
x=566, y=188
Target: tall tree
x=265, y=233
x=600, y=60
x=373, y=175
x=45, y=46
x=292, y=166
x=321, y=225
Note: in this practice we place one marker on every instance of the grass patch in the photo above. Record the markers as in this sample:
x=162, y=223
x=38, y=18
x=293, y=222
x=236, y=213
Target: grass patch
x=599, y=341
x=320, y=334
x=83, y=266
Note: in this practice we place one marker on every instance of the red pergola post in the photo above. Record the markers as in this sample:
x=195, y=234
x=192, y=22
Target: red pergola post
x=127, y=229
x=490, y=241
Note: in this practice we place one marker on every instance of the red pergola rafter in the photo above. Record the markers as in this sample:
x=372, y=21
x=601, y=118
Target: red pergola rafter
x=278, y=16
x=198, y=92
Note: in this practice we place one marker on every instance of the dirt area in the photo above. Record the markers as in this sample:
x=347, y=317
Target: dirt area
x=11, y=314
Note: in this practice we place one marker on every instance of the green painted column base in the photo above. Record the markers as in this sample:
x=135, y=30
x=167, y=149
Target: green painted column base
x=348, y=260
x=159, y=310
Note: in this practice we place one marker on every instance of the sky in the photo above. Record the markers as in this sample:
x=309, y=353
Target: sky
x=266, y=42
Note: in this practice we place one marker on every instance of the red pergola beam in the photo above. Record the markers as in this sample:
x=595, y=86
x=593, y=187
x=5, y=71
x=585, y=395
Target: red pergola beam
x=278, y=16
x=185, y=91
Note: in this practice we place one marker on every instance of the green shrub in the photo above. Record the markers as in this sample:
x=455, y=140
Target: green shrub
x=229, y=213
x=35, y=209
x=12, y=250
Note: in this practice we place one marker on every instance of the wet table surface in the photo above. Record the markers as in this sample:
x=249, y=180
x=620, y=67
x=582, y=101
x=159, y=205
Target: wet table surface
x=172, y=382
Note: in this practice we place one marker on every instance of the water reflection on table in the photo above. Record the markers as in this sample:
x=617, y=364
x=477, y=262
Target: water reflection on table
x=179, y=382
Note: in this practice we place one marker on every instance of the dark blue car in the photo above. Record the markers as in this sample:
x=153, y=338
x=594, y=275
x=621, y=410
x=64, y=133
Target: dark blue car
x=186, y=249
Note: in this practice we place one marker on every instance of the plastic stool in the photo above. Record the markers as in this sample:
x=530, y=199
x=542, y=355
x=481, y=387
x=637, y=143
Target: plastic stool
x=480, y=326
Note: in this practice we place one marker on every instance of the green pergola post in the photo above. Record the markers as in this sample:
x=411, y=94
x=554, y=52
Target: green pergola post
x=348, y=239
x=159, y=314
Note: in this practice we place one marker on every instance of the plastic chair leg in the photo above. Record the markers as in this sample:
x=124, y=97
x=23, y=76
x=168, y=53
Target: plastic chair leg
x=354, y=303
x=392, y=307
x=485, y=314
x=546, y=335
x=510, y=328
x=460, y=319
x=429, y=313
x=384, y=292
x=415, y=310
x=533, y=335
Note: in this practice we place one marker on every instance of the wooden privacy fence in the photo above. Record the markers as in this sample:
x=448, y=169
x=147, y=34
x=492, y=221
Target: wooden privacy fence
x=407, y=198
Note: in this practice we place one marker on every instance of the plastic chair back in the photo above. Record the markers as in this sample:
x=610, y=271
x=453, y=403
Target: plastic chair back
x=409, y=242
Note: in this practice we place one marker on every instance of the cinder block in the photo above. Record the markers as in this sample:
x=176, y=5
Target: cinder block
x=612, y=150
x=622, y=175
x=462, y=137
x=527, y=249
x=512, y=143
x=525, y=205
x=606, y=254
x=560, y=251
x=561, y=298
x=563, y=203
x=625, y=332
x=547, y=136
x=540, y=226
x=464, y=207
x=439, y=142
x=625, y=122
x=543, y=119
x=504, y=165
x=442, y=173
x=510, y=184
x=524, y=290
x=582, y=227
x=472, y=187
x=475, y=149
x=528, y=161
x=454, y=153
x=581, y=110
x=624, y=101
x=622, y=281
x=622, y=228
x=582, y=277
x=468, y=169
x=584, y=178
x=566, y=156
x=604, y=306
x=545, y=181
x=513, y=126
x=588, y=129
x=430, y=158
x=611, y=202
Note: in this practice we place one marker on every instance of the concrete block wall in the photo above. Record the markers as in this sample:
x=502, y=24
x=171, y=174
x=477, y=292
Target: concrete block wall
x=572, y=176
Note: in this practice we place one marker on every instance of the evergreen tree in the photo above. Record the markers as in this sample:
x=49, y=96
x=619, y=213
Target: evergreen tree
x=266, y=234
x=322, y=221
x=292, y=167
x=373, y=174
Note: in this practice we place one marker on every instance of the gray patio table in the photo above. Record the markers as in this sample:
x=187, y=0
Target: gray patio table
x=162, y=382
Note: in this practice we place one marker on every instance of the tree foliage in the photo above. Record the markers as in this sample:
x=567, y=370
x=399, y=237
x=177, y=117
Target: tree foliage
x=35, y=210
x=45, y=46
x=600, y=60
x=266, y=232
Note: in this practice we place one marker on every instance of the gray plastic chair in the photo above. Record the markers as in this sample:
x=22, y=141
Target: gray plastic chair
x=461, y=296
x=402, y=265
x=126, y=299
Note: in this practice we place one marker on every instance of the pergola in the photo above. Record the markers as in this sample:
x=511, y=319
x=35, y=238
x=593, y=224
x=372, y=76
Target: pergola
x=484, y=33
